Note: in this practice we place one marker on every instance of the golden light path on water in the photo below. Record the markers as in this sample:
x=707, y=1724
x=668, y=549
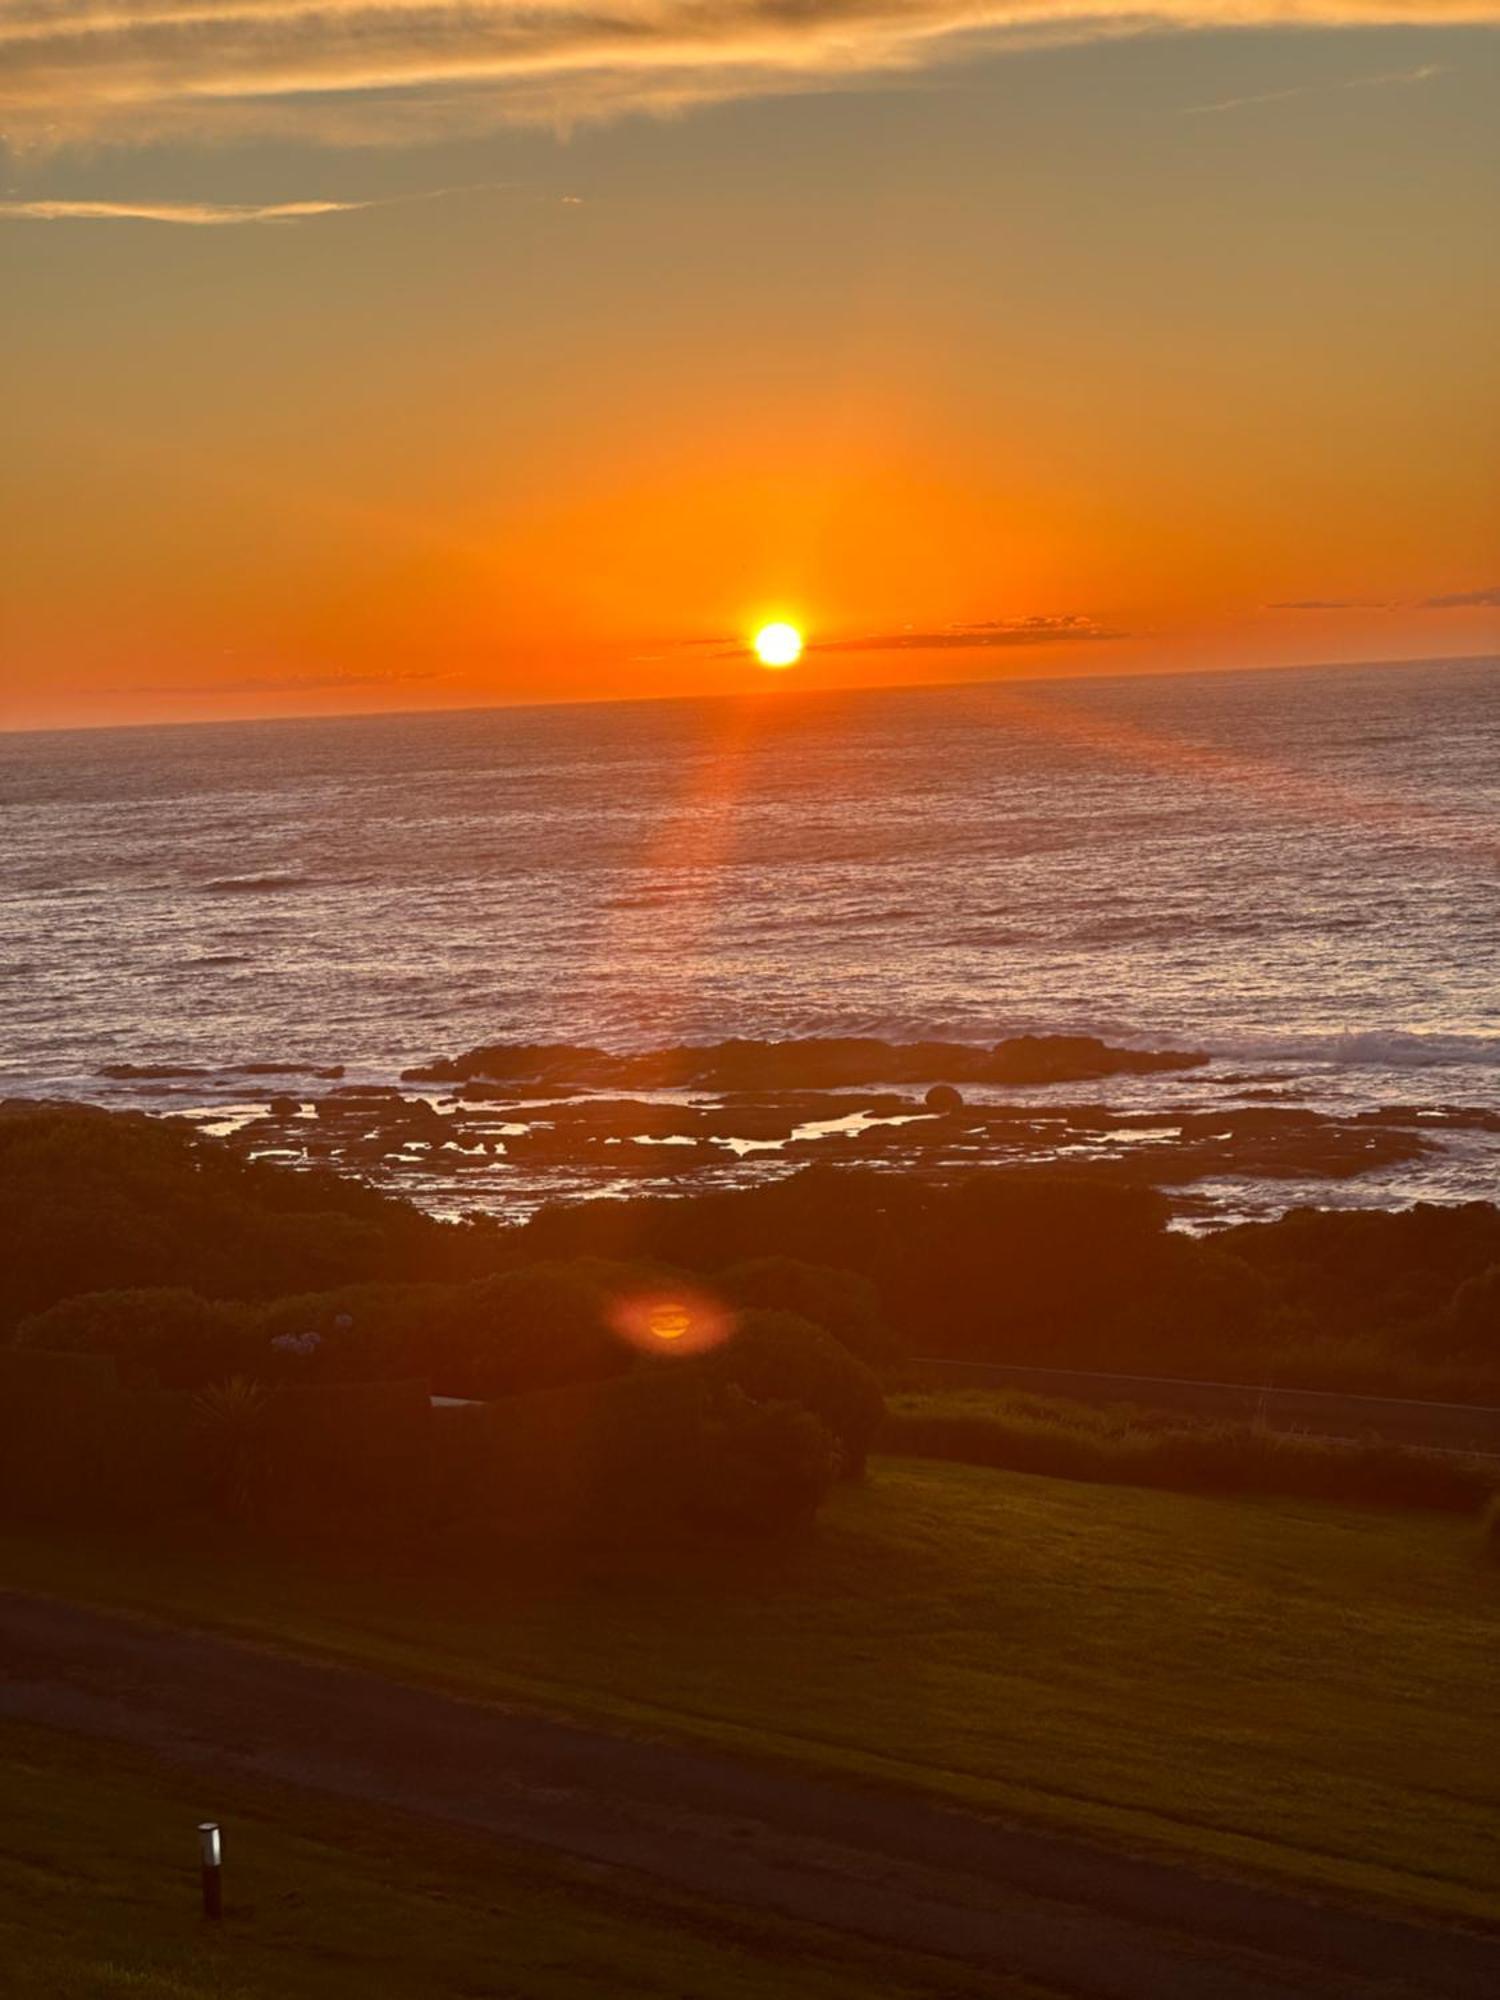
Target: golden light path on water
x=692, y=852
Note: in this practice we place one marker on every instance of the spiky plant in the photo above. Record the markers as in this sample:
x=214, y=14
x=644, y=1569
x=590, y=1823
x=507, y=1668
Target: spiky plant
x=229, y=1417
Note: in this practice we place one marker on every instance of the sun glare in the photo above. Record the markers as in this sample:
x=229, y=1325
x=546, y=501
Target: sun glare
x=679, y=1322
x=778, y=646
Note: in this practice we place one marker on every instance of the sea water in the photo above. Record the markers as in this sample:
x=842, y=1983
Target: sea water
x=1298, y=872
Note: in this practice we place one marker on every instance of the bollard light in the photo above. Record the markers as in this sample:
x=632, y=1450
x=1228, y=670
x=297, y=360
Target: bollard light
x=211, y=1856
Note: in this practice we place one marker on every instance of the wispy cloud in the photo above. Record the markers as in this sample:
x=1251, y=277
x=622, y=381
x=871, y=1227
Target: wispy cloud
x=1385, y=81
x=981, y=637
x=215, y=214
x=195, y=214
x=382, y=69
x=1464, y=600
x=283, y=684
x=1335, y=604
x=1460, y=600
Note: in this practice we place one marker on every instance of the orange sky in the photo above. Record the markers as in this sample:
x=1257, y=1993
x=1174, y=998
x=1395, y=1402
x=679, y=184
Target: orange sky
x=1011, y=359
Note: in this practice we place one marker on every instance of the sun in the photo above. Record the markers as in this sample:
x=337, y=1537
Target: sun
x=778, y=645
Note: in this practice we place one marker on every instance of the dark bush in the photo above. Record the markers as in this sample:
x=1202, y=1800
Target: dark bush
x=606, y=1459
x=841, y=1302
x=777, y=1357
x=542, y=1326
x=125, y=1235
x=1369, y=1272
x=159, y=1339
x=346, y=1453
x=995, y=1264
x=1227, y=1459
x=58, y=1420
x=767, y=1467
x=1030, y=1266
x=95, y=1201
x=1471, y=1325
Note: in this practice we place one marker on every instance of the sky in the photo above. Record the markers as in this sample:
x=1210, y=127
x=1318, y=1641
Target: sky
x=387, y=354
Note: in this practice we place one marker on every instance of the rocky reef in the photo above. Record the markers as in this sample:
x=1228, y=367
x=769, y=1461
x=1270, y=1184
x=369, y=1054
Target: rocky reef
x=805, y=1063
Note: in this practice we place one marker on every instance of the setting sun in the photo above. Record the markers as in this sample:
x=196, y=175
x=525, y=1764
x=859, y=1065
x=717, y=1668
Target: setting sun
x=778, y=646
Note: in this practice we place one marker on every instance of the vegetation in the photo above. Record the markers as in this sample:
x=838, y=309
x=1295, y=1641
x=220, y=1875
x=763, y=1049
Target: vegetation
x=260, y=1292
x=844, y=1303
x=1021, y=1267
x=1033, y=1267
x=777, y=1357
x=1121, y=1446
x=98, y=1901
x=1264, y=1685
x=765, y=1464
x=229, y=1418
x=98, y=1201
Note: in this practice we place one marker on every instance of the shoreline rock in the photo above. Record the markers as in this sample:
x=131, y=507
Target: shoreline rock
x=817, y=1063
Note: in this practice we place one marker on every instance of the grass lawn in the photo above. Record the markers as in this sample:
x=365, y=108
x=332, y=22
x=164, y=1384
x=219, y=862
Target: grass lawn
x=1300, y=1689
x=99, y=1901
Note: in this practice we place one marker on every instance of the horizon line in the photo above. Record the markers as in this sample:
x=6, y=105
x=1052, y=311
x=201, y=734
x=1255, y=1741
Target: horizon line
x=775, y=688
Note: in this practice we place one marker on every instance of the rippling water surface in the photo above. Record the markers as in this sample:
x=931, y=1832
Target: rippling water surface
x=1294, y=870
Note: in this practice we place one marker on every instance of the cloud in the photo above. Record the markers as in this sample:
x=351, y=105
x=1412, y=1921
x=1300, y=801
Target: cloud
x=376, y=70
x=1464, y=600
x=196, y=214
x=216, y=214
x=1425, y=74
x=981, y=637
x=1335, y=604
x=282, y=684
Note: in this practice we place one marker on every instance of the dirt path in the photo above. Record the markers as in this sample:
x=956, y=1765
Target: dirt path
x=994, y=1897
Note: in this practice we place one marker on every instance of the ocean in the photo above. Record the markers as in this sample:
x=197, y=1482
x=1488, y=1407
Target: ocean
x=1297, y=872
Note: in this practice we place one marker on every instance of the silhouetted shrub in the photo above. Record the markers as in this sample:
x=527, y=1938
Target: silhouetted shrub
x=1472, y=1323
x=95, y=1201
x=346, y=1452
x=654, y=1452
x=767, y=1467
x=605, y=1459
x=1370, y=1272
x=1020, y=1266
x=1227, y=1459
x=1033, y=1266
x=157, y=1462
x=229, y=1422
x=543, y=1459
x=841, y=1302
x=159, y=1338
x=57, y=1425
x=540, y=1326
x=777, y=1357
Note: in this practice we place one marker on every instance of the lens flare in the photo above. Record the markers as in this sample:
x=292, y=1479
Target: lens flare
x=671, y=1322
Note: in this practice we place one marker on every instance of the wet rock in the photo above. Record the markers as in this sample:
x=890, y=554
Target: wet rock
x=812, y=1062
x=143, y=1072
